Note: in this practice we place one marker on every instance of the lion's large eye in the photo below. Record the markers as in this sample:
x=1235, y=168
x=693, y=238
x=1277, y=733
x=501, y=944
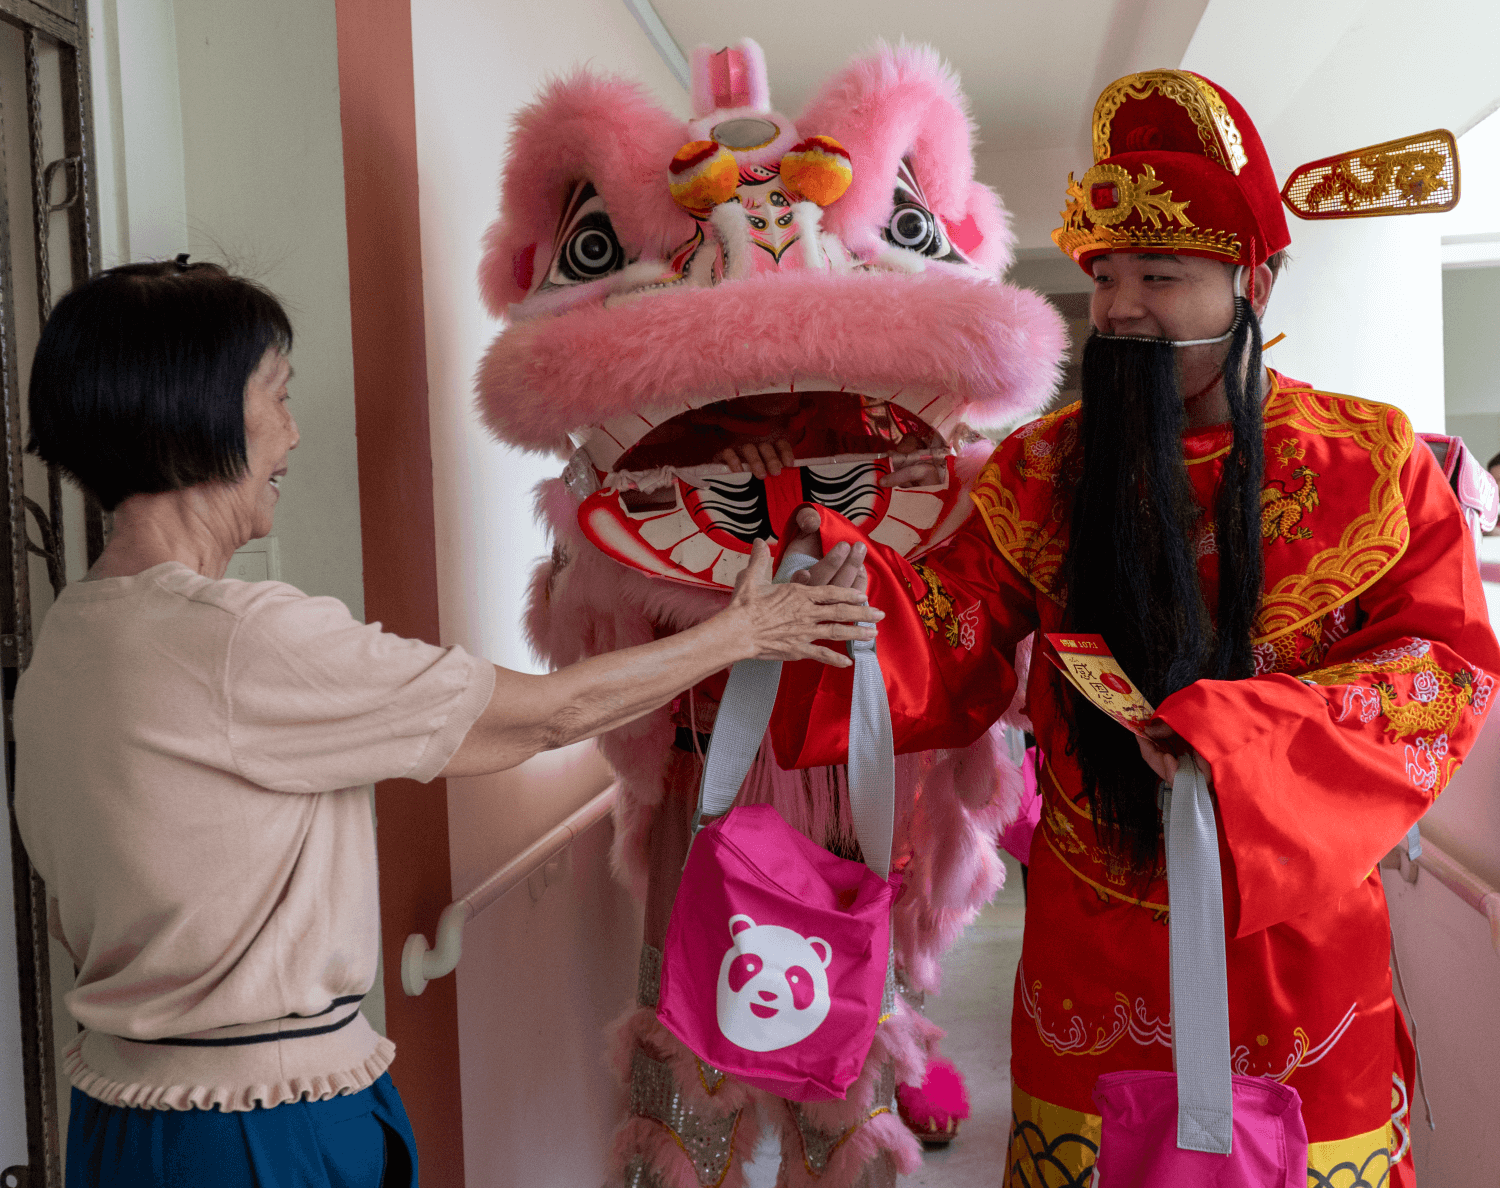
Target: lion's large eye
x=591, y=249
x=913, y=227
x=586, y=245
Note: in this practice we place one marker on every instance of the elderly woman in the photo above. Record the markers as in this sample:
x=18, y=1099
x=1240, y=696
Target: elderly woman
x=191, y=753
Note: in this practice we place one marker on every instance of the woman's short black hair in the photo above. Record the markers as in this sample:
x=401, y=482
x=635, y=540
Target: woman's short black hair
x=138, y=384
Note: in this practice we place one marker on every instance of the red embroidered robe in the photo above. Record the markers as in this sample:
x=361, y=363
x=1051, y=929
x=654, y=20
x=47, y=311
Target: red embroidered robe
x=1374, y=658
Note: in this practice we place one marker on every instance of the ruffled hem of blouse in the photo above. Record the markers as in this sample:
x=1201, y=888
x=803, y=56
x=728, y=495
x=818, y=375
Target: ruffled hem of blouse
x=226, y=1097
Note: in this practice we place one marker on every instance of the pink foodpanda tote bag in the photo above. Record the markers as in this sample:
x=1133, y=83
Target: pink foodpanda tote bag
x=1200, y=1125
x=776, y=964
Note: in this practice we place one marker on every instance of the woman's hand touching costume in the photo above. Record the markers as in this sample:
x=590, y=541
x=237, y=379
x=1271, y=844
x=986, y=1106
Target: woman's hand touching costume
x=763, y=621
x=783, y=620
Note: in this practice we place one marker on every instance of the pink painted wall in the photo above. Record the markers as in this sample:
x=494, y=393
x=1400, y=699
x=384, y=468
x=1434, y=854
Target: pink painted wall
x=1465, y=820
x=1452, y=970
x=1452, y=977
x=540, y=977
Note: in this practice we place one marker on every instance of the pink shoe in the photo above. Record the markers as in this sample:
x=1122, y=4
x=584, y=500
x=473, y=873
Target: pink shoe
x=934, y=1111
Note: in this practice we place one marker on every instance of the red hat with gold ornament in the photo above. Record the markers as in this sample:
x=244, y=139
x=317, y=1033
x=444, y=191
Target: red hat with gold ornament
x=1180, y=169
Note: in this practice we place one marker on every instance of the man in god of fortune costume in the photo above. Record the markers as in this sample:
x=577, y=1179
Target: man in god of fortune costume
x=1293, y=587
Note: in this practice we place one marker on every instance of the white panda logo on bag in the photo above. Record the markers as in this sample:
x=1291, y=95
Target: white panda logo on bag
x=773, y=986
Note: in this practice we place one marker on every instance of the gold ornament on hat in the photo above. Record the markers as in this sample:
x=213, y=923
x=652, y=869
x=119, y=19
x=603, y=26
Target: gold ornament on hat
x=1414, y=175
x=1204, y=106
x=1107, y=195
x=1112, y=210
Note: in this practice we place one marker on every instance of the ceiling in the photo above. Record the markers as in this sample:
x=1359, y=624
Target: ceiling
x=1031, y=76
x=1319, y=76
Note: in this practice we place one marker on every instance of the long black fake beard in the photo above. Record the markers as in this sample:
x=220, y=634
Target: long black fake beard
x=1131, y=568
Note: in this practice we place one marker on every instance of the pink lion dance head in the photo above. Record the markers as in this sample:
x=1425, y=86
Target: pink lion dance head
x=675, y=288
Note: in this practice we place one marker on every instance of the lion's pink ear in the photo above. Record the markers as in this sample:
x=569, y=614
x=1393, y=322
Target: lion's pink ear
x=902, y=104
x=739, y=924
x=965, y=236
x=584, y=128
x=984, y=234
x=523, y=267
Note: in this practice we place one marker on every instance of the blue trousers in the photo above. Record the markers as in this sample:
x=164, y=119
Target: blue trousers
x=363, y=1140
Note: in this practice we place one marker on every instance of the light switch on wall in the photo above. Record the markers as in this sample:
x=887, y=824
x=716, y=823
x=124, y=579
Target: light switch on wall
x=257, y=561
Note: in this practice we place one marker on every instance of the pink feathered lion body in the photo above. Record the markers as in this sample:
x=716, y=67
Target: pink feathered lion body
x=674, y=288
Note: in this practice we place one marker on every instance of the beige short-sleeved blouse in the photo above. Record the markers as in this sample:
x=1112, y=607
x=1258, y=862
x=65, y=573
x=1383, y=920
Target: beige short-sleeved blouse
x=189, y=770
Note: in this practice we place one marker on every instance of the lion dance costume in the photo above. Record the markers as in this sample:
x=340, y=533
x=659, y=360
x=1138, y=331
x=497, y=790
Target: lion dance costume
x=673, y=288
x=1374, y=669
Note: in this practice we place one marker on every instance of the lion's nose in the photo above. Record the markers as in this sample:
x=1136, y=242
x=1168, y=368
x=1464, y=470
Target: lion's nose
x=768, y=995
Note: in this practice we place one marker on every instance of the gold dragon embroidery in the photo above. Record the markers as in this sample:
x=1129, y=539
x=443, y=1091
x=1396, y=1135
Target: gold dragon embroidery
x=1437, y=698
x=1032, y=534
x=1300, y=649
x=1370, y=543
x=1281, y=510
x=1415, y=175
x=1044, y=457
x=935, y=608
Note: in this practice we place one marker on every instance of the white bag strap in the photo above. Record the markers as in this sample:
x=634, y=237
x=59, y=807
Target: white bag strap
x=745, y=713
x=1200, y=982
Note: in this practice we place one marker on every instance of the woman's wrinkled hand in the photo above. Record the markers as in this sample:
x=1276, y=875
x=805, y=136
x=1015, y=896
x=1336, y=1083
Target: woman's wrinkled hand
x=783, y=620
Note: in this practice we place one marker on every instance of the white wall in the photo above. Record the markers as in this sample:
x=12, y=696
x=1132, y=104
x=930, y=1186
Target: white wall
x=218, y=134
x=538, y=980
x=1362, y=308
x=264, y=179
x=476, y=63
x=149, y=177
x=1471, y=294
x=1471, y=356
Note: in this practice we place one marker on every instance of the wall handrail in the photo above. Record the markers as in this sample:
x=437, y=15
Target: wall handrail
x=1458, y=878
x=421, y=964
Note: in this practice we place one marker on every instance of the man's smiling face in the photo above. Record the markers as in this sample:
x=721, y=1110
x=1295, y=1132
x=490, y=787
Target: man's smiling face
x=1157, y=296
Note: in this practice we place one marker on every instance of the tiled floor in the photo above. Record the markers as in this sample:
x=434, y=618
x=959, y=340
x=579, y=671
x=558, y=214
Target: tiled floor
x=974, y=1009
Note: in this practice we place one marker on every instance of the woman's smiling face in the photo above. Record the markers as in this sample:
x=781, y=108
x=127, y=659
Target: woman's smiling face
x=270, y=435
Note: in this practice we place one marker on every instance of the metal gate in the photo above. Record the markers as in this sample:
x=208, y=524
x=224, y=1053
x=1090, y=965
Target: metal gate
x=49, y=240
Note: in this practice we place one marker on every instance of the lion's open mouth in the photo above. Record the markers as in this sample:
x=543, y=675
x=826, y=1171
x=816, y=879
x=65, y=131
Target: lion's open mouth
x=659, y=496
x=813, y=424
x=816, y=422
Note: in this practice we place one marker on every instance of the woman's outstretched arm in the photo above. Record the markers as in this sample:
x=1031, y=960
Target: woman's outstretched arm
x=764, y=621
